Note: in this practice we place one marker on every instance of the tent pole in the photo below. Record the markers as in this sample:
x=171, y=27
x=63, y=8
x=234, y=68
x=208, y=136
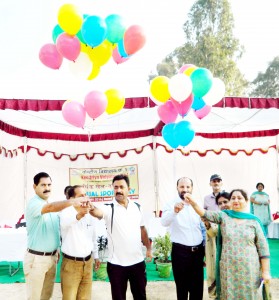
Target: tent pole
x=277, y=161
x=25, y=171
x=156, y=183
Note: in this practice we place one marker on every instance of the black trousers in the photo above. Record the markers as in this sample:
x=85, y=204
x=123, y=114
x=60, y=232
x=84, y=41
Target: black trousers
x=119, y=277
x=187, y=264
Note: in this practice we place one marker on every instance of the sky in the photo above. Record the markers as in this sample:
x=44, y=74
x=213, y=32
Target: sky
x=25, y=26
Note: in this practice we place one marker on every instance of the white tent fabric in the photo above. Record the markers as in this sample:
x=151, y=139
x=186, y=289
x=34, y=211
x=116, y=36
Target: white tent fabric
x=242, y=161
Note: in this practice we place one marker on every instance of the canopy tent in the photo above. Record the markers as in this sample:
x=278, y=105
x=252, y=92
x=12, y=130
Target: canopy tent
x=238, y=139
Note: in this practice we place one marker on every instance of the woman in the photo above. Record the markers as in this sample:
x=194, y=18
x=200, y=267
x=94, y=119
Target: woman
x=260, y=205
x=243, y=252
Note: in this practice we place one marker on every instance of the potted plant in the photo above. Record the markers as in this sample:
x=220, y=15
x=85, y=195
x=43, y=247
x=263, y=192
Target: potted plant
x=162, y=250
x=101, y=273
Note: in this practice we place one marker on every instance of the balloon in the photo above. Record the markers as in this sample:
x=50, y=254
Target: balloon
x=183, y=107
x=167, y=112
x=203, y=112
x=82, y=66
x=198, y=103
x=69, y=18
x=185, y=67
x=121, y=49
x=57, y=30
x=168, y=135
x=50, y=57
x=94, y=30
x=159, y=88
x=117, y=57
x=183, y=133
x=69, y=46
x=95, y=72
x=202, y=81
x=116, y=101
x=189, y=71
x=74, y=113
x=180, y=87
x=101, y=54
x=115, y=28
x=134, y=39
x=216, y=93
x=95, y=104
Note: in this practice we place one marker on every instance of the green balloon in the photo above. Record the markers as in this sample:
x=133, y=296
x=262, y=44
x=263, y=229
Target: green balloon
x=80, y=37
x=57, y=30
x=115, y=28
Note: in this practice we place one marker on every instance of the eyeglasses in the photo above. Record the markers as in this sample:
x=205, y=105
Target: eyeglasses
x=216, y=180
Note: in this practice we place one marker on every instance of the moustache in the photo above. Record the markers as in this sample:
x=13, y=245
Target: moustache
x=46, y=192
x=119, y=194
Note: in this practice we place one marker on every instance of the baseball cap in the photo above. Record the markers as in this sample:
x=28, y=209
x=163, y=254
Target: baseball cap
x=215, y=176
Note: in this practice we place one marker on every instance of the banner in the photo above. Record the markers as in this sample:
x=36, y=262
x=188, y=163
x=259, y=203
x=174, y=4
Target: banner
x=98, y=181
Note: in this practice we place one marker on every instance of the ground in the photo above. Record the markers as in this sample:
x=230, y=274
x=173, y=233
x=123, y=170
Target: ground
x=159, y=290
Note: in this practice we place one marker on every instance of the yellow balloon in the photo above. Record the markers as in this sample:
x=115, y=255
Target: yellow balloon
x=189, y=71
x=101, y=54
x=84, y=48
x=159, y=88
x=116, y=101
x=95, y=72
x=70, y=19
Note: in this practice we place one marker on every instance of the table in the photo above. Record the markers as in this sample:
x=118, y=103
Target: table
x=13, y=246
x=273, y=230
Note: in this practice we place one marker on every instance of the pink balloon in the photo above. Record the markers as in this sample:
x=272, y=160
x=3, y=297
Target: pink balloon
x=50, y=57
x=167, y=112
x=117, y=57
x=134, y=39
x=183, y=107
x=95, y=103
x=185, y=67
x=68, y=46
x=203, y=112
x=74, y=113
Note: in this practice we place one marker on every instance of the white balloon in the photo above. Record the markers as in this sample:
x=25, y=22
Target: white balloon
x=216, y=92
x=82, y=66
x=180, y=87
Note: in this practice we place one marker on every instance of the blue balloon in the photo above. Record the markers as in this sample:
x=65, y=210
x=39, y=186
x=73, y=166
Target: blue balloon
x=121, y=48
x=94, y=30
x=168, y=135
x=183, y=133
x=198, y=103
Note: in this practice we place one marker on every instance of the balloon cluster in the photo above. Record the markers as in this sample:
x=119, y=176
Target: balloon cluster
x=191, y=88
x=95, y=104
x=89, y=41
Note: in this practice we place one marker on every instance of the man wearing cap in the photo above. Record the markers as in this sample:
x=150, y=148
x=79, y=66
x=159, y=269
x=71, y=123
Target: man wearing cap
x=210, y=203
x=210, y=200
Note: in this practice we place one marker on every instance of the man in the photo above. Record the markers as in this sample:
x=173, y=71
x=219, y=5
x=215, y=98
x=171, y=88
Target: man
x=126, y=233
x=79, y=241
x=223, y=202
x=43, y=238
x=210, y=200
x=187, y=235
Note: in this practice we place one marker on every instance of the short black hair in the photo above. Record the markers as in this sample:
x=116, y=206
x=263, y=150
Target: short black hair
x=71, y=191
x=122, y=177
x=222, y=194
x=38, y=177
x=184, y=178
x=66, y=189
x=259, y=183
x=243, y=193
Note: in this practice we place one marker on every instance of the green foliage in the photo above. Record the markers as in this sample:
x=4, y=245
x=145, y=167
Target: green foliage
x=162, y=246
x=102, y=246
x=267, y=84
x=210, y=44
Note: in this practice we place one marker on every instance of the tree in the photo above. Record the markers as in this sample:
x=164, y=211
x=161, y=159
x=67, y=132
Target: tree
x=210, y=43
x=267, y=84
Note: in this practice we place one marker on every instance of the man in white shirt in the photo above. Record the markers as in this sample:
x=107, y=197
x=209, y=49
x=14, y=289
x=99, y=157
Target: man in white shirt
x=126, y=233
x=187, y=235
x=79, y=244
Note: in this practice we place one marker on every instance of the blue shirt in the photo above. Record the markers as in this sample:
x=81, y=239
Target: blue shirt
x=42, y=229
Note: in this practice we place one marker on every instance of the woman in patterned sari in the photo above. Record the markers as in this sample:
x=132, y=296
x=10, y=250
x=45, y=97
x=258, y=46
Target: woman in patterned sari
x=259, y=206
x=242, y=251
